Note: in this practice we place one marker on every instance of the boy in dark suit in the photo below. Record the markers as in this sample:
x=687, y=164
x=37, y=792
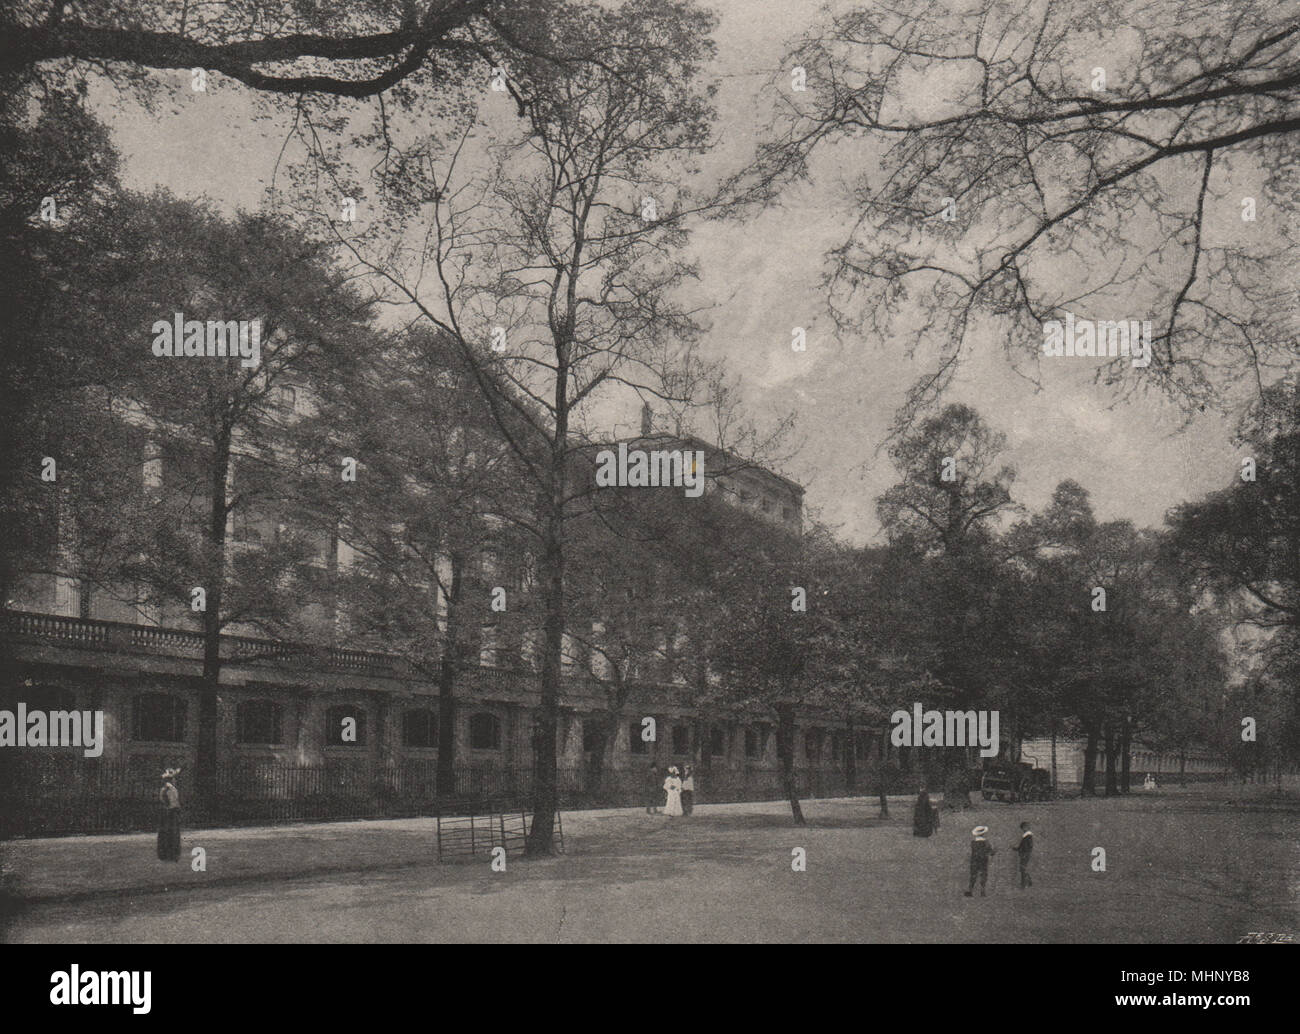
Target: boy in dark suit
x=980, y=853
x=1025, y=849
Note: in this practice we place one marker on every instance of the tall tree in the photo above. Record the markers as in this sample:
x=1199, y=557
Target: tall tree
x=57, y=169
x=213, y=428
x=433, y=521
x=945, y=509
x=567, y=255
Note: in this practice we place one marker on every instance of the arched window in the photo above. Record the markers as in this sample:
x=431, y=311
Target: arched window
x=420, y=728
x=717, y=741
x=681, y=739
x=485, y=731
x=751, y=743
x=258, y=722
x=345, y=726
x=158, y=717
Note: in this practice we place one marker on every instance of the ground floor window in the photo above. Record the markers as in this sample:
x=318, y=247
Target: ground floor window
x=159, y=717
x=485, y=732
x=420, y=728
x=345, y=726
x=258, y=721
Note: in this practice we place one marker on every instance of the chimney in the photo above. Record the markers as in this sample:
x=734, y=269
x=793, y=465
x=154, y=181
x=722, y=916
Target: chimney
x=647, y=420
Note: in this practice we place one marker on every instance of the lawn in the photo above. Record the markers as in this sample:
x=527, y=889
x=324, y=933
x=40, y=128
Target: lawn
x=1207, y=864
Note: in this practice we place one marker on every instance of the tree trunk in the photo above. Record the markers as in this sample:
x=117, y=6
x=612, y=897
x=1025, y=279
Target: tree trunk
x=451, y=654
x=1053, y=753
x=881, y=789
x=599, y=762
x=545, y=791
x=785, y=752
x=206, y=754
x=956, y=779
x=1112, y=787
x=1125, y=759
x=851, y=761
x=1089, y=787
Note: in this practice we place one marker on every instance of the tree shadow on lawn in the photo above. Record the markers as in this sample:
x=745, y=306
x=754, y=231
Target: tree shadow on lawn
x=732, y=822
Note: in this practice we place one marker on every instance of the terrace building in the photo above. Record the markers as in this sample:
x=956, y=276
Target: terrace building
x=282, y=750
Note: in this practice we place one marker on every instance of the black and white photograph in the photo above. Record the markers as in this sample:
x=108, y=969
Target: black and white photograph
x=652, y=472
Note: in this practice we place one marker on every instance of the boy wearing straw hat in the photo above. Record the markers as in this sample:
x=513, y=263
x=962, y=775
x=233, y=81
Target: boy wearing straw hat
x=980, y=853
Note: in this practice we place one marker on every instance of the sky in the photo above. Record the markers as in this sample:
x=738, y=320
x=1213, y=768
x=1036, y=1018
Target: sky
x=763, y=277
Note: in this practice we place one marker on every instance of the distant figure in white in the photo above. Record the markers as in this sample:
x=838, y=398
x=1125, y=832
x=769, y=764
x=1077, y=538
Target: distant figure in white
x=673, y=784
x=1149, y=783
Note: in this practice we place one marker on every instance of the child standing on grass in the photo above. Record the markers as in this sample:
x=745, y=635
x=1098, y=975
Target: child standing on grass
x=980, y=853
x=1025, y=848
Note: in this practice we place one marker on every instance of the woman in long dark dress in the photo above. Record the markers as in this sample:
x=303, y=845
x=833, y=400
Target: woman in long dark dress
x=169, y=820
x=923, y=816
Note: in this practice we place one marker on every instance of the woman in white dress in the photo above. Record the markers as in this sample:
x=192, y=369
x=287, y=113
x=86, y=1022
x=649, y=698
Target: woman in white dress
x=673, y=785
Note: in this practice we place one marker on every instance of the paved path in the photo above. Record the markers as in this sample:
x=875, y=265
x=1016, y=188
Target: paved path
x=81, y=867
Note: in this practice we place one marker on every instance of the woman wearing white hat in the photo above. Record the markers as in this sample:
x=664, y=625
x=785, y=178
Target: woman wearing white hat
x=169, y=821
x=673, y=785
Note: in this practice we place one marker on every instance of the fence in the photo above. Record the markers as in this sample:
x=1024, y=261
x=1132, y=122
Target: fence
x=51, y=795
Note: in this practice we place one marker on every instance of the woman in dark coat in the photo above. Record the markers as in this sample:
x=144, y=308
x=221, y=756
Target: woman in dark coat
x=169, y=821
x=923, y=816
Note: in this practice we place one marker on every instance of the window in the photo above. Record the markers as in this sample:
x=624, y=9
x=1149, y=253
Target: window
x=812, y=744
x=766, y=504
x=635, y=744
x=159, y=717
x=681, y=739
x=485, y=732
x=717, y=741
x=751, y=743
x=593, y=738
x=837, y=744
x=286, y=397
x=787, y=513
x=49, y=698
x=337, y=724
x=420, y=728
x=258, y=721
